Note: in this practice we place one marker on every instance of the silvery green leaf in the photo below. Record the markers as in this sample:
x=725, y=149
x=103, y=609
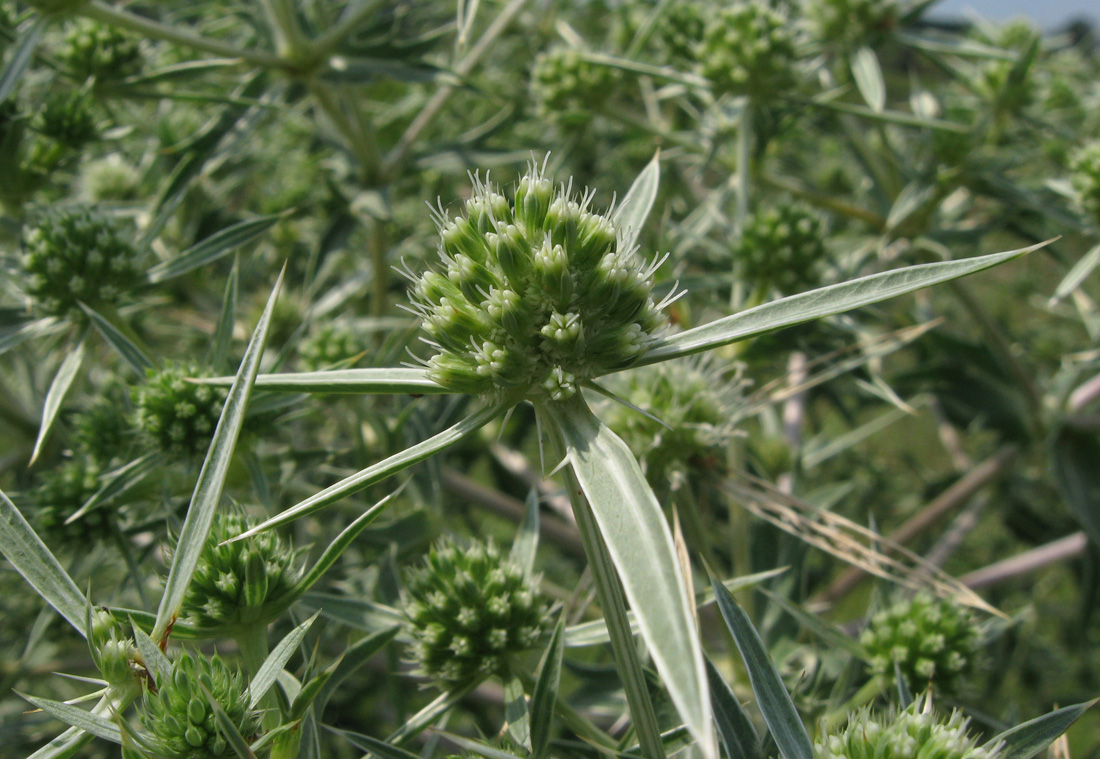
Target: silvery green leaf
x=824, y=301
x=21, y=57
x=213, y=247
x=734, y=726
x=155, y=660
x=208, y=488
x=526, y=542
x=1026, y=740
x=30, y=557
x=516, y=715
x=89, y=722
x=223, y=333
x=546, y=692
x=397, y=380
x=383, y=469
x=60, y=385
x=771, y=695
x=130, y=353
x=631, y=214
x=868, y=75
x=1077, y=274
x=638, y=539
x=275, y=662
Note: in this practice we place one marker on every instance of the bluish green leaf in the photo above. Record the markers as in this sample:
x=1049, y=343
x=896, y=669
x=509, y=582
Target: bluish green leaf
x=397, y=380
x=60, y=385
x=208, y=488
x=383, y=469
x=868, y=75
x=545, y=694
x=516, y=716
x=275, y=662
x=815, y=304
x=223, y=333
x=640, y=544
x=130, y=353
x=213, y=247
x=89, y=722
x=155, y=660
x=631, y=214
x=381, y=749
x=354, y=657
x=771, y=695
x=21, y=57
x=1026, y=740
x=526, y=541
x=30, y=557
x=734, y=726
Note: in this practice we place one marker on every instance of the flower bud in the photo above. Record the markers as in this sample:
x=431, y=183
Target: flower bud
x=782, y=247
x=179, y=416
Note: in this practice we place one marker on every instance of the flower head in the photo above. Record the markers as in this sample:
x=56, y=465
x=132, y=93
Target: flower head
x=468, y=608
x=931, y=640
x=783, y=247
x=180, y=416
x=909, y=734
x=74, y=255
x=534, y=296
x=748, y=49
x=1085, y=168
x=63, y=492
x=179, y=715
x=96, y=50
x=567, y=87
x=240, y=583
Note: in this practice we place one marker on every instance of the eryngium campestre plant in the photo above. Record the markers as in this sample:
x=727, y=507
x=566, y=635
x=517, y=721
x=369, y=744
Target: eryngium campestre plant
x=567, y=87
x=240, y=584
x=909, y=734
x=748, y=49
x=180, y=718
x=92, y=49
x=468, y=608
x=179, y=416
x=74, y=255
x=62, y=493
x=534, y=297
x=930, y=639
x=113, y=651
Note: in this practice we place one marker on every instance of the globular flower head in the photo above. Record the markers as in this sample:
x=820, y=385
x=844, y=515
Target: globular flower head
x=62, y=493
x=930, y=639
x=697, y=398
x=680, y=30
x=748, y=49
x=782, y=247
x=534, y=296
x=1010, y=87
x=110, y=179
x=67, y=117
x=567, y=87
x=241, y=583
x=1085, y=175
x=467, y=609
x=180, y=718
x=75, y=255
x=849, y=22
x=909, y=734
x=330, y=345
x=178, y=415
x=92, y=49
x=101, y=432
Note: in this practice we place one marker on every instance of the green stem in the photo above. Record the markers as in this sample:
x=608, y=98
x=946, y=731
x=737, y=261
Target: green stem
x=380, y=285
x=253, y=646
x=112, y=16
x=326, y=43
x=359, y=140
x=741, y=212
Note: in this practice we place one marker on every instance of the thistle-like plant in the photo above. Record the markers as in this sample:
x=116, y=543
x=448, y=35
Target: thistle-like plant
x=537, y=297
x=468, y=609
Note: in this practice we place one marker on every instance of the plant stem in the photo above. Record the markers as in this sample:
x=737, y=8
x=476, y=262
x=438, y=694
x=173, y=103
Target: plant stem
x=741, y=211
x=623, y=647
x=112, y=16
x=253, y=646
x=327, y=42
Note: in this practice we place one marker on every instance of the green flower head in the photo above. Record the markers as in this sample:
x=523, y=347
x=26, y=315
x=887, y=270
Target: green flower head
x=114, y=652
x=1085, y=175
x=179, y=416
x=748, y=49
x=782, y=247
x=73, y=256
x=92, y=49
x=62, y=493
x=567, y=87
x=848, y=23
x=330, y=345
x=680, y=30
x=67, y=117
x=102, y=431
x=179, y=716
x=468, y=608
x=534, y=296
x=931, y=640
x=241, y=583
x=916, y=732
x=696, y=400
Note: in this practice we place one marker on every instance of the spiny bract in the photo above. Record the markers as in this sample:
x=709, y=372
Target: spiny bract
x=468, y=608
x=930, y=639
x=74, y=255
x=180, y=416
x=912, y=733
x=239, y=583
x=535, y=296
x=179, y=715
